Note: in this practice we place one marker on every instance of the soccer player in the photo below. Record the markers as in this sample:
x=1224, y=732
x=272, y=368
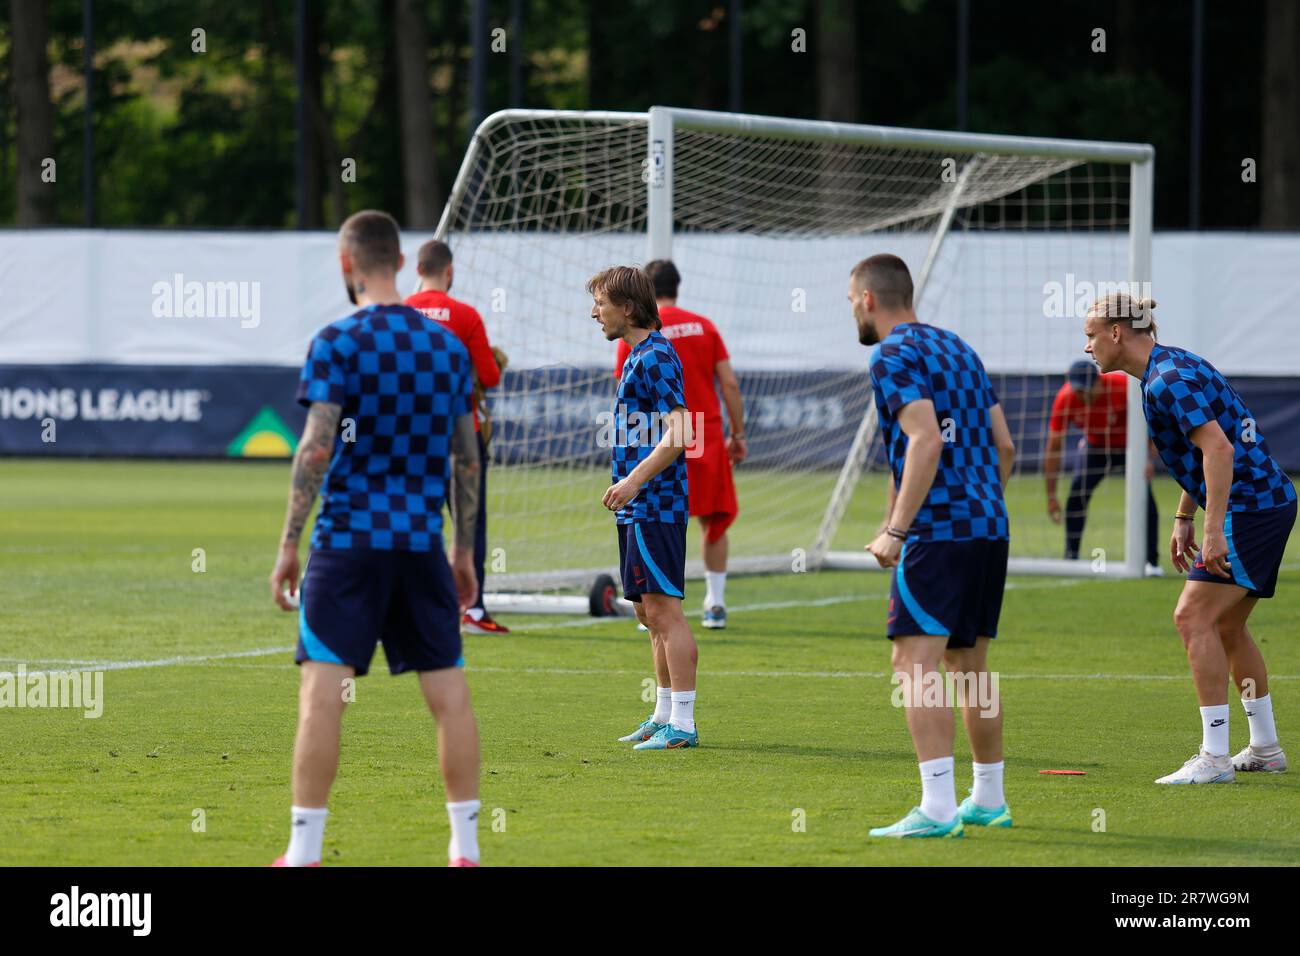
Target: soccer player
x=1209, y=441
x=713, y=493
x=435, y=269
x=649, y=496
x=946, y=536
x=1097, y=404
x=388, y=418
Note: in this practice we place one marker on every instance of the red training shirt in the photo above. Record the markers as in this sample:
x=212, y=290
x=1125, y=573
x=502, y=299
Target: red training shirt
x=1104, y=421
x=464, y=322
x=700, y=348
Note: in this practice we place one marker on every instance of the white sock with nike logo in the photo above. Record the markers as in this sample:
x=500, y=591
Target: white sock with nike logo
x=1214, y=730
x=987, y=791
x=938, y=792
x=663, y=705
x=306, y=835
x=464, y=830
x=1259, y=714
x=683, y=715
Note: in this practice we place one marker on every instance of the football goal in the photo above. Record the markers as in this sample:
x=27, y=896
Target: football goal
x=1008, y=239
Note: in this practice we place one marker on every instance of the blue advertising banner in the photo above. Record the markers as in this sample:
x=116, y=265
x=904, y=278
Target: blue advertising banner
x=157, y=411
x=541, y=416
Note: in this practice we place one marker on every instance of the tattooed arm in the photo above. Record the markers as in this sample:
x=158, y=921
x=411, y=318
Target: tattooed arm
x=464, y=508
x=310, y=462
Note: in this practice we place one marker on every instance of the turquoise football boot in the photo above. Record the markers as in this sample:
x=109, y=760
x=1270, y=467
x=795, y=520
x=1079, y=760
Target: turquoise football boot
x=972, y=813
x=647, y=730
x=669, y=737
x=917, y=824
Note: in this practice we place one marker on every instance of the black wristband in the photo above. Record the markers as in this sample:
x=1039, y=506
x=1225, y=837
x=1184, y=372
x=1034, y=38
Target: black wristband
x=896, y=534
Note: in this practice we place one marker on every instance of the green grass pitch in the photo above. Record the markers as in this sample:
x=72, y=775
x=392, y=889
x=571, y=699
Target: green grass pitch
x=794, y=711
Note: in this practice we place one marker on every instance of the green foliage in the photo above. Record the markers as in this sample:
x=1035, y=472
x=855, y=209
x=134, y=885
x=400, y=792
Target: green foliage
x=209, y=139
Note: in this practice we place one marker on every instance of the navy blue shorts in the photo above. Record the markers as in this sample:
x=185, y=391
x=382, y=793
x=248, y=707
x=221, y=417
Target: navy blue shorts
x=652, y=556
x=949, y=589
x=1256, y=544
x=349, y=601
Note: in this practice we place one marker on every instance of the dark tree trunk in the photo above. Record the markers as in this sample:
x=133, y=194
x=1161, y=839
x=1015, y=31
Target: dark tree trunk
x=419, y=166
x=835, y=45
x=35, y=139
x=314, y=179
x=1280, y=190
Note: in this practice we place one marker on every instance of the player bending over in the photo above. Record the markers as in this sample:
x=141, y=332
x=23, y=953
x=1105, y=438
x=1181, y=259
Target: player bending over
x=946, y=537
x=713, y=493
x=376, y=571
x=1208, y=440
x=1097, y=404
x=649, y=494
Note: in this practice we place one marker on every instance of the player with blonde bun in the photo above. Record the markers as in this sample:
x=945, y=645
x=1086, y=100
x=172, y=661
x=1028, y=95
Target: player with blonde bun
x=1211, y=445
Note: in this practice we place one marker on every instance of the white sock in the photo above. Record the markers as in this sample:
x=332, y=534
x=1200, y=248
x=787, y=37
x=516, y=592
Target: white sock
x=715, y=590
x=938, y=792
x=663, y=705
x=1214, y=730
x=306, y=834
x=988, y=785
x=683, y=715
x=1259, y=714
x=475, y=613
x=464, y=830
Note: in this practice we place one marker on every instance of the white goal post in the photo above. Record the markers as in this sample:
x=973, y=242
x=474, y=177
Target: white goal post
x=764, y=217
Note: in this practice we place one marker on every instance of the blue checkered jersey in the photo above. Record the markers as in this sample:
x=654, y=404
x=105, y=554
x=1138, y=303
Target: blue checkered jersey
x=402, y=380
x=650, y=387
x=1181, y=392
x=917, y=361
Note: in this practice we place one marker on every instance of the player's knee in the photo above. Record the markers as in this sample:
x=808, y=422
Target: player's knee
x=657, y=618
x=962, y=662
x=446, y=692
x=910, y=654
x=1189, y=619
x=321, y=708
x=1231, y=634
x=448, y=704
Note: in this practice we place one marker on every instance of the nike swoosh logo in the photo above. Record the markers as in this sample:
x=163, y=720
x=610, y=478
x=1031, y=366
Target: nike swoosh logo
x=940, y=773
x=1217, y=723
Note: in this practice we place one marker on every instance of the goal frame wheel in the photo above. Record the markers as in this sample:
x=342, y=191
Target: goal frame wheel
x=603, y=597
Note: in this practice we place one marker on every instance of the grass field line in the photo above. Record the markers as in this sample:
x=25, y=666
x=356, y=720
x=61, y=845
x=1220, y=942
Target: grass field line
x=620, y=672
x=91, y=665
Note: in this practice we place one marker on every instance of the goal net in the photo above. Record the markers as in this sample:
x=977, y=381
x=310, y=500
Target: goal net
x=1007, y=238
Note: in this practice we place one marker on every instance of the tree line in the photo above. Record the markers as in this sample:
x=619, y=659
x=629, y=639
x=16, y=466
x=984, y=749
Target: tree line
x=194, y=104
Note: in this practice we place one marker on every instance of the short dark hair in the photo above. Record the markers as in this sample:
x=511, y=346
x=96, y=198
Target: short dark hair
x=628, y=284
x=434, y=257
x=888, y=279
x=372, y=239
x=665, y=277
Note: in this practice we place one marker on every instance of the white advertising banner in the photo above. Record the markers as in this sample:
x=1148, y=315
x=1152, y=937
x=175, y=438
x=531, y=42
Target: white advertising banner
x=255, y=298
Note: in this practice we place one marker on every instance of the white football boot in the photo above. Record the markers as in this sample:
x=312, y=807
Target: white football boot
x=1203, y=768
x=1251, y=760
